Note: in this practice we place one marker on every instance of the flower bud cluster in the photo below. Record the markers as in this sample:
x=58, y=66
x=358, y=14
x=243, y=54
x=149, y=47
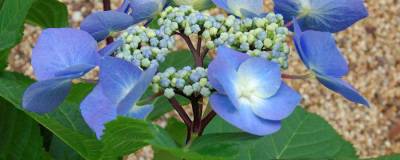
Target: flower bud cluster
x=258, y=36
x=186, y=81
x=144, y=46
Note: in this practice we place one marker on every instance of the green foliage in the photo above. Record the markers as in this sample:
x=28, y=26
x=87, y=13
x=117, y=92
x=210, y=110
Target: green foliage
x=48, y=14
x=389, y=157
x=302, y=136
x=12, y=15
x=19, y=135
x=178, y=59
x=60, y=151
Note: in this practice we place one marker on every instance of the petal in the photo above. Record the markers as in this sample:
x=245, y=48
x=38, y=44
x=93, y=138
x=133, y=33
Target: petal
x=279, y=106
x=137, y=91
x=243, y=118
x=45, y=96
x=242, y=8
x=234, y=58
x=322, y=15
x=144, y=10
x=100, y=24
x=320, y=53
x=118, y=77
x=97, y=110
x=265, y=75
x=342, y=87
x=224, y=78
x=140, y=112
x=75, y=71
x=124, y=7
x=60, y=49
x=109, y=49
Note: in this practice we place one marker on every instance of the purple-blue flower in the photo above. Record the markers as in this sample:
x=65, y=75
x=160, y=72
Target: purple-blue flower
x=319, y=53
x=242, y=8
x=100, y=24
x=322, y=15
x=59, y=56
x=250, y=92
x=120, y=86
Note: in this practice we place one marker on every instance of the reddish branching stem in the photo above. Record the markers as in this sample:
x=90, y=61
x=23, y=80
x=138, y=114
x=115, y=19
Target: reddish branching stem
x=182, y=113
x=206, y=120
x=295, y=77
x=107, y=7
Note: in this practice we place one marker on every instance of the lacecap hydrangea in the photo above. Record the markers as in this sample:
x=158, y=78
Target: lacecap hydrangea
x=242, y=81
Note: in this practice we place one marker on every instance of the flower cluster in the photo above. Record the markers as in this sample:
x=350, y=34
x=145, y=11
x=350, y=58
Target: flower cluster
x=243, y=82
x=186, y=81
x=144, y=46
x=259, y=36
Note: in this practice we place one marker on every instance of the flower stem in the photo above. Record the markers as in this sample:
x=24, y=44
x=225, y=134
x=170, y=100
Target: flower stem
x=195, y=52
x=206, y=120
x=178, y=107
x=107, y=7
x=295, y=77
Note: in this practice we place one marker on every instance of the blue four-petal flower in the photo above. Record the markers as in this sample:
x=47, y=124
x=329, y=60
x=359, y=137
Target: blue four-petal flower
x=120, y=87
x=250, y=92
x=322, y=15
x=319, y=53
x=242, y=8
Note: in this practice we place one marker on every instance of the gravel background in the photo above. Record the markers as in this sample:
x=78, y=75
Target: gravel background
x=372, y=47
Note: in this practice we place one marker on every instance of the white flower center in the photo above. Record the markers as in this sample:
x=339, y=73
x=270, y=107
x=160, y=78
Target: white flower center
x=248, y=90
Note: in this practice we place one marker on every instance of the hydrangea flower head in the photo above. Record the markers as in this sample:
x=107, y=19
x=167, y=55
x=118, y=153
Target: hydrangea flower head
x=319, y=53
x=250, y=92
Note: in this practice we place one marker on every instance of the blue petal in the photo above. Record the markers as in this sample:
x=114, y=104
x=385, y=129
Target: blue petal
x=224, y=79
x=124, y=7
x=279, y=106
x=109, y=49
x=342, y=87
x=100, y=24
x=242, y=118
x=140, y=112
x=144, y=10
x=242, y=8
x=75, y=71
x=322, y=15
x=60, y=49
x=137, y=91
x=320, y=53
x=97, y=110
x=118, y=77
x=45, y=96
x=264, y=74
x=234, y=58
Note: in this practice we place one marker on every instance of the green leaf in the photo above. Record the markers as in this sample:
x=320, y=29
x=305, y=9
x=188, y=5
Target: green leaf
x=48, y=14
x=66, y=122
x=60, y=151
x=19, y=135
x=3, y=59
x=302, y=136
x=177, y=130
x=12, y=16
x=178, y=59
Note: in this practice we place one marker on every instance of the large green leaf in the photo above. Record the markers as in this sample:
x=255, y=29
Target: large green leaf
x=3, y=59
x=302, y=136
x=48, y=14
x=65, y=123
x=19, y=135
x=60, y=151
x=12, y=16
